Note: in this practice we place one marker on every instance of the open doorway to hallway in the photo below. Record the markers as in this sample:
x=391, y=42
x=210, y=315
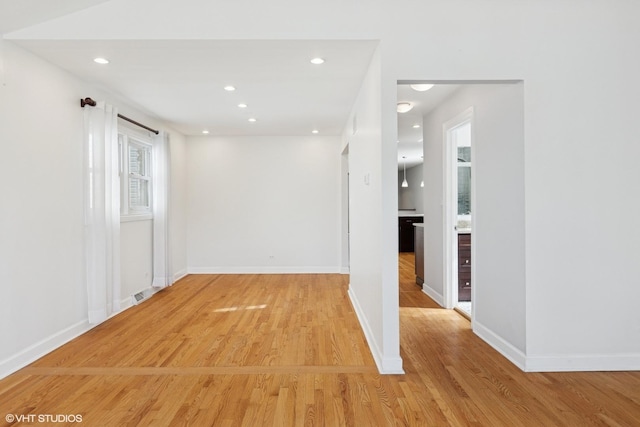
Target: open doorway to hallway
x=458, y=201
x=472, y=149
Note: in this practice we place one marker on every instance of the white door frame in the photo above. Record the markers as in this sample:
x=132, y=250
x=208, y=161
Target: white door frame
x=450, y=210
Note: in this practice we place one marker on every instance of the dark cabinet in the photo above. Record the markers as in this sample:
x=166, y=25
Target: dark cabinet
x=405, y=232
x=464, y=267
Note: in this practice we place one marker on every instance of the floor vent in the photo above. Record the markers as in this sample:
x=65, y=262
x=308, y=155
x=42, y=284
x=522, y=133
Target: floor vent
x=140, y=297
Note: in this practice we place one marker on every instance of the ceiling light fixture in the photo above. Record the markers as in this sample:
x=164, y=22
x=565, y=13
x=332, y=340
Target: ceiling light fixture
x=314, y=131
x=229, y=88
x=405, y=184
x=416, y=126
x=422, y=87
x=205, y=132
x=252, y=120
x=101, y=61
x=242, y=105
x=404, y=107
x=317, y=61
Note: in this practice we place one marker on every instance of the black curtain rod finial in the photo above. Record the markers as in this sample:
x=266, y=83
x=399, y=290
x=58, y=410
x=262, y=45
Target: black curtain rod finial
x=87, y=101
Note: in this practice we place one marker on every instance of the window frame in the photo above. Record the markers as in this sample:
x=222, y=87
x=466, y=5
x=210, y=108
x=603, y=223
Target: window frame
x=126, y=139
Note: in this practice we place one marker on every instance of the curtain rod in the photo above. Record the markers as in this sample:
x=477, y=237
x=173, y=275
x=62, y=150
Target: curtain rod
x=92, y=103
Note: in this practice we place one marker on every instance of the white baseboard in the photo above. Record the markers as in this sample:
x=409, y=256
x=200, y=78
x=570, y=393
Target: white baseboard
x=433, y=294
x=558, y=363
x=264, y=270
x=179, y=275
x=161, y=282
x=385, y=365
x=124, y=305
x=514, y=355
x=47, y=345
x=583, y=362
x=39, y=349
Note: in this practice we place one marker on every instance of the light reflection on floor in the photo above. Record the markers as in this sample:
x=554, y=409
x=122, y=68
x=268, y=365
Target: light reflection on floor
x=465, y=306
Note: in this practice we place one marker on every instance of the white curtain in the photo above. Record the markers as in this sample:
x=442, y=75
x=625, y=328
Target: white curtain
x=102, y=211
x=162, y=269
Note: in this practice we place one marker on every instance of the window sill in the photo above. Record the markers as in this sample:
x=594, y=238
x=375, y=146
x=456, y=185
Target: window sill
x=138, y=217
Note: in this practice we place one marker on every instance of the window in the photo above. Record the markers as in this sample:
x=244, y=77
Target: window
x=464, y=180
x=135, y=175
x=462, y=138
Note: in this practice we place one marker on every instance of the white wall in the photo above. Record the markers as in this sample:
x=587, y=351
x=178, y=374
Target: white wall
x=498, y=233
x=366, y=248
x=42, y=291
x=581, y=89
x=43, y=301
x=411, y=197
x=264, y=204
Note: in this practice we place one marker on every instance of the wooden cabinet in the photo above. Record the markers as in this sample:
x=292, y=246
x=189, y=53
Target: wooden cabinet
x=405, y=232
x=464, y=267
x=419, y=253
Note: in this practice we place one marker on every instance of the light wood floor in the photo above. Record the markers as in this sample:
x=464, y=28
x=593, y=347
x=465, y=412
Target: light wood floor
x=264, y=350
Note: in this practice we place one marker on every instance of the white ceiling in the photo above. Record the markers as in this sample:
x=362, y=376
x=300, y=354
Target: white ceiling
x=17, y=14
x=182, y=82
x=410, y=138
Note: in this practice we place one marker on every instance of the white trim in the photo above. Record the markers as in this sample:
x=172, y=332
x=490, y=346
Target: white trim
x=136, y=217
x=58, y=339
x=503, y=347
x=179, y=275
x=433, y=294
x=450, y=267
x=345, y=270
x=41, y=348
x=582, y=363
x=125, y=304
x=264, y=270
x=385, y=365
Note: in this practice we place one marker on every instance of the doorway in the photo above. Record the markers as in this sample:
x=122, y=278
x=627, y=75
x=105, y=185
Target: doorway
x=459, y=208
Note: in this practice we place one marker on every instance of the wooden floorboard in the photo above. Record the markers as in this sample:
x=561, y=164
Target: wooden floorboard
x=262, y=350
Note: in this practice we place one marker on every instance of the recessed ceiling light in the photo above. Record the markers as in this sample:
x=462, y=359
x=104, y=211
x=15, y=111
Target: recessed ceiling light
x=317, y=61
x=101, y=61
x=404, y=107
x=314, y=131
x=416, y=126
x=205, y=132
x=422, y=87
x=229, y=88
x=242, y=105
x=252, y=120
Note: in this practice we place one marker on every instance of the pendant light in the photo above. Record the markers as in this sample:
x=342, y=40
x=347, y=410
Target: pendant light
x=405, y=183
